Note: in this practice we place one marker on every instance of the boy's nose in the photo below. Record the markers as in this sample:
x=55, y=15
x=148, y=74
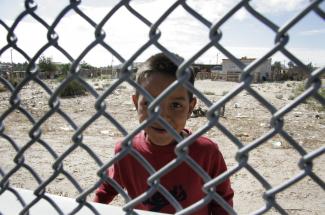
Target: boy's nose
x=164, y=112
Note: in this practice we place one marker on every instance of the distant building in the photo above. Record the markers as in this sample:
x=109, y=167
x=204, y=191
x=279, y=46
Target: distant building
x=231, y=72
x=5, y=67
x=217, y=68
x=202, y=67
x=202, y=71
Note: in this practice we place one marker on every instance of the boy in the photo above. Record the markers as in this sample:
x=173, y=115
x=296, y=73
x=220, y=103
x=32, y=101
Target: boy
x=157, y=146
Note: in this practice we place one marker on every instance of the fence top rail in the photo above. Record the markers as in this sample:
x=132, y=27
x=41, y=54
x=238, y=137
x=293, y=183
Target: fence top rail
x=9, y=202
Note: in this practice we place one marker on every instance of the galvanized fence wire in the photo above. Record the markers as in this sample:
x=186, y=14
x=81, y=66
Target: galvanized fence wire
x=281, y=36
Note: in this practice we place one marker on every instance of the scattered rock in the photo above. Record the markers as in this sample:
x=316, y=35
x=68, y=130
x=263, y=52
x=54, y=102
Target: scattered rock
x=59, y=178
x=279, y=96
x=265, y=125
x=106, y=85
x=99, y=88
x=66, y=128
x=241, y=116
x=318, y=116
x=105, y=132
x=277, y=145
x=244, y=134
x=297, y=114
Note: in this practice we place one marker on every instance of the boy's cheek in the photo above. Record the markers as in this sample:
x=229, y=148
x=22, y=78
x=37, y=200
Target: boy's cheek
x=142, y=115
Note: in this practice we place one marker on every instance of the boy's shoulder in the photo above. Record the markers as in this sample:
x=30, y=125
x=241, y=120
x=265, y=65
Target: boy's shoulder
x=138, y=138
x=203, y=142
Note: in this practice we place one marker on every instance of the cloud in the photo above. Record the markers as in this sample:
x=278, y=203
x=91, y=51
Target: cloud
x=312, y=32
x=181, y=32
x=279, y=6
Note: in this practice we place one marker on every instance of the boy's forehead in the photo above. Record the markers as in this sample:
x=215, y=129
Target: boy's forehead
x=157, y=79
x=156, y=74
x=155, y=84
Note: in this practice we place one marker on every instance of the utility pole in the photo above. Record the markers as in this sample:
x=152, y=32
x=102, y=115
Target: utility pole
x=112, y=62
x=12, y=64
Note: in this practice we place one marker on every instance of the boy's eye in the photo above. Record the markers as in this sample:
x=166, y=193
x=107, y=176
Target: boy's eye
x=176, y=105
x=145, y=103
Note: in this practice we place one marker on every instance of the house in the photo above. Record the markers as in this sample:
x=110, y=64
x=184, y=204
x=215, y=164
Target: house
x=217, y=68
x=202, y=71
x=217, y=73
x=231, y=72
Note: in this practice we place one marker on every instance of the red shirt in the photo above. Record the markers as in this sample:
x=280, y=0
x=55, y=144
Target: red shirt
x=183, y=182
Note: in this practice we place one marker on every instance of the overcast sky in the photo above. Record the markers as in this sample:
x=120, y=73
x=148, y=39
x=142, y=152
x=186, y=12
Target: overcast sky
x=243, y=35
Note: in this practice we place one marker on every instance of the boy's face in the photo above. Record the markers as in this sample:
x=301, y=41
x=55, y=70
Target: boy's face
x=176, y=108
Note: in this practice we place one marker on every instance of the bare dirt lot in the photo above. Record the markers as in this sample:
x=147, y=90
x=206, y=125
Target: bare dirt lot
x=276, y=160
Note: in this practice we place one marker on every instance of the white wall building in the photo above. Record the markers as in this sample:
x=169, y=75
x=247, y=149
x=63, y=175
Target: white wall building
x=261, y=73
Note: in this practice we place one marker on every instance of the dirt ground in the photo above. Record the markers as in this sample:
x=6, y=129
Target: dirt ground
x=276, y=160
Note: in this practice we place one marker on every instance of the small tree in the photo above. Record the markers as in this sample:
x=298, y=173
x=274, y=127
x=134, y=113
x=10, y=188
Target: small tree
x=46, y=65
x=85, y=65
x=74, y=88
x=277, y=66
x=310, y=67
x=64, y=69
x=291, y=65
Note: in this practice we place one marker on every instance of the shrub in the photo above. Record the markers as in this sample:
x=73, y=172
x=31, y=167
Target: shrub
x=316, y=104
x=208, y=93
x=279, y=96
x=2, y=88
x=298, y=89
x=74, y=88
x=311, y=101
x=14, y=81
x=291, y=97
x=224, y=92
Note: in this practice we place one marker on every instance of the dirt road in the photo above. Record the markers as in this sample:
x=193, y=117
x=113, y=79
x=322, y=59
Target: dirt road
x=276, y=160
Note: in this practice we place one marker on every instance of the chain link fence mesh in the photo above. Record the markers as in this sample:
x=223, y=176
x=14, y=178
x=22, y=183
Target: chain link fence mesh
x=312, y=86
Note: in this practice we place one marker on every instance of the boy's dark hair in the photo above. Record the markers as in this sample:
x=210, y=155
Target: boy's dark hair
x=160, y=63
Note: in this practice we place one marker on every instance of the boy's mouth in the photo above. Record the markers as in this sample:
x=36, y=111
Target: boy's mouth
x=160, y=130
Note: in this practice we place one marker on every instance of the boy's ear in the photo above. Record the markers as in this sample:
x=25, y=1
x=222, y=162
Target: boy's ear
x=192, y=105
x=135, y=101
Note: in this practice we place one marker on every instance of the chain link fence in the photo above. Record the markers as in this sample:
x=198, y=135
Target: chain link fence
x=312, y=86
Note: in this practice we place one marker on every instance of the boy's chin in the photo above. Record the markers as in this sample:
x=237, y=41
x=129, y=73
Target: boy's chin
x=161, y=142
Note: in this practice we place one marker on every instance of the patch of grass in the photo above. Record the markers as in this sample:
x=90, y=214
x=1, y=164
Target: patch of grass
x=316, y=104
x=224, y=93
x=291, y=97
x=14, y=81
x=321, y=92
x=208, y=93
x=121, y=87
x=311, y=101
x=279, y=96
x=2, y=88
x=298, y=89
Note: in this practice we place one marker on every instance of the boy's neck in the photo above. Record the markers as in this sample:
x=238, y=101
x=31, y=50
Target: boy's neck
x=184, y=133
